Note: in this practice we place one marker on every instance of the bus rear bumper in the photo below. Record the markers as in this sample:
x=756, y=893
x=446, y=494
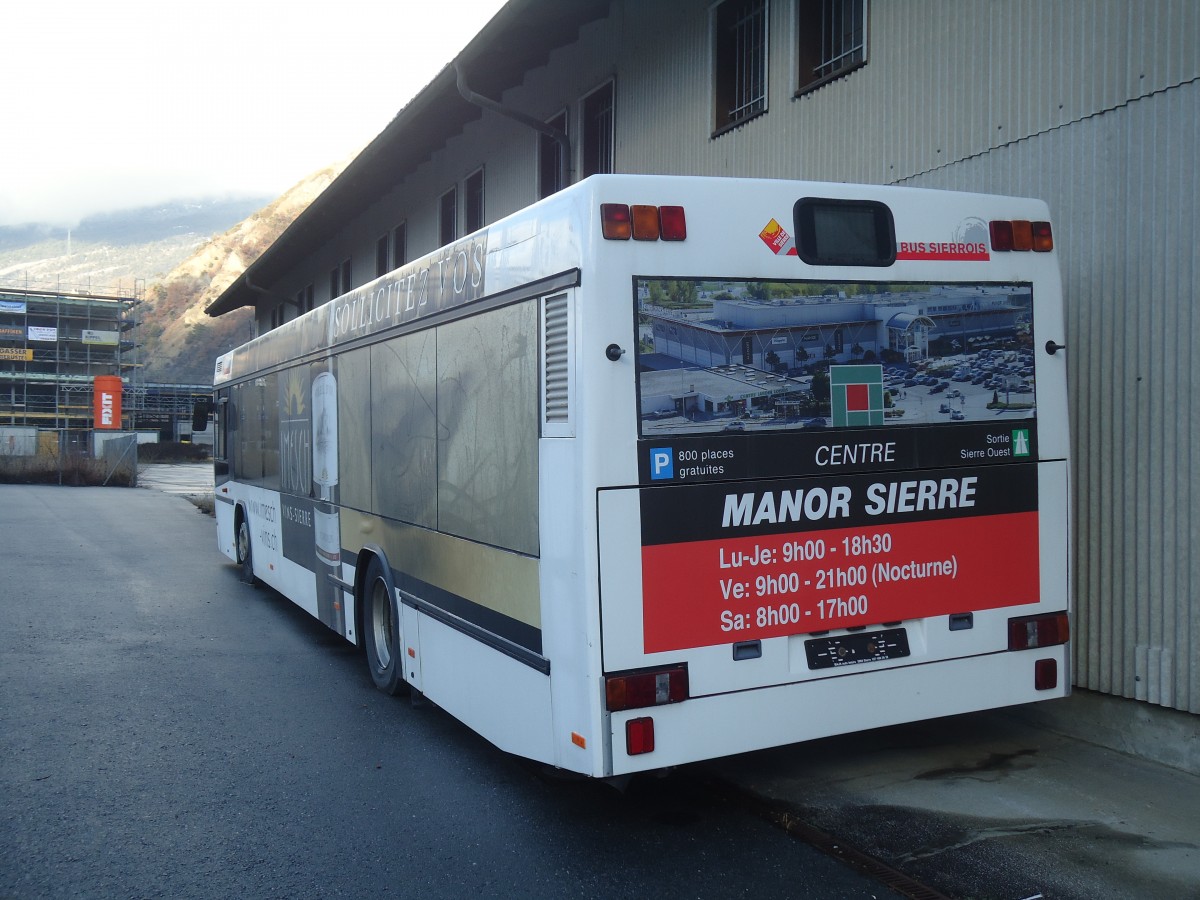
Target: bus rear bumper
x=742, y=721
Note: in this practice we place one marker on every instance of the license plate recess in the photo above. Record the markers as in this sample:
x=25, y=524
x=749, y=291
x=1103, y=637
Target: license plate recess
x=854, y=649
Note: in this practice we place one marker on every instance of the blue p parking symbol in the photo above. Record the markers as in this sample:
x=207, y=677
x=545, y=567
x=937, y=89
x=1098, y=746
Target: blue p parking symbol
x=662, y=463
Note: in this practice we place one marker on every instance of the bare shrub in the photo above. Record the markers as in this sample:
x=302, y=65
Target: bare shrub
x=74, y=470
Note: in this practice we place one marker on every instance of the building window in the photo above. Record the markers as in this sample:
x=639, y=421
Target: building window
x=304, y=300
x=597, y=137
x=381, y=256
x=550, y=153
x=334, y=282
x=400, y=245
x=448, y=217
x=832, y=40
x=474, y=201
x=347, y=274
x=740, y=62
x=277, y=315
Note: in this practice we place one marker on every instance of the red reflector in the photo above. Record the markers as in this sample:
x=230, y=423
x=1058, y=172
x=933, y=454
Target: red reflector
x=645, y=223
x=1043, y=239
x=674, y=223
x=1045, y=674
x=645, y=689
x=639, y=736
x=1022, y=234
x=1002, y=235
x=1029, y=632
x=615, y=222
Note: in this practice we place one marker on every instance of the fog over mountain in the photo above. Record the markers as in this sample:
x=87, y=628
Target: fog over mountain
x=177, y=256
x=143, y=225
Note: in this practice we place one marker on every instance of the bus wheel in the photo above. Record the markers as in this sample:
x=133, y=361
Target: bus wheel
x=381, y=625
x=244, y=554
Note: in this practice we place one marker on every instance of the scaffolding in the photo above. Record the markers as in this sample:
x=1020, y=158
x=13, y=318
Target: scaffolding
x=53, y=344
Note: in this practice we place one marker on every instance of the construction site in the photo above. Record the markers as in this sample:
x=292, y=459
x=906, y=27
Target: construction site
x=70, y=374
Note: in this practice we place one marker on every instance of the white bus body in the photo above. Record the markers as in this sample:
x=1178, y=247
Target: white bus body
x=791, y=462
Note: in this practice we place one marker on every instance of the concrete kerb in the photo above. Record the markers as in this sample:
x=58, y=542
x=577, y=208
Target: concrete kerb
x=1165, y=736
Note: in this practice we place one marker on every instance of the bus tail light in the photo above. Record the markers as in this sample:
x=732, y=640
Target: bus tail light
x=639, y=736
x=645, y=689
x=1043, y=237
x=1001, y=234
x=1021, y=234
x=615, y=222
x=1045, y=675
x=1029, y=632
x=645, y=223
x=674, y=223
x=619, y=222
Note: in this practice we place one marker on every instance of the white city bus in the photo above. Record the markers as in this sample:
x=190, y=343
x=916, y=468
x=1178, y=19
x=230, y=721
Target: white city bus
x=661, y=469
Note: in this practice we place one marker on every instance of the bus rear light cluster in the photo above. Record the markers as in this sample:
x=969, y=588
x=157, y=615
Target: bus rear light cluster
x=619, y=222
x=1020, y=234
x=1030, y=632
x=645, y=689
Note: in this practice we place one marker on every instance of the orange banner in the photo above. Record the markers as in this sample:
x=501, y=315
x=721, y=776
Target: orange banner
x=106, y=402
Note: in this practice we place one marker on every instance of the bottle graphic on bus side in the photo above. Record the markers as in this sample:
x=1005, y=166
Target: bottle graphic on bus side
x=326, y=525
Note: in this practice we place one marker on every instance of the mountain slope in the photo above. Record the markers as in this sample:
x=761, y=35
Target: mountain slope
x=181, y=343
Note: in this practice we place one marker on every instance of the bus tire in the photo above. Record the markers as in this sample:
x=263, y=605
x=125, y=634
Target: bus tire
x=381, y=630
x=243, y=551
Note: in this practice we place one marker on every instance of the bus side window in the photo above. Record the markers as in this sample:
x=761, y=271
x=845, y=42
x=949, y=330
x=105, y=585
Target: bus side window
x=220, y=423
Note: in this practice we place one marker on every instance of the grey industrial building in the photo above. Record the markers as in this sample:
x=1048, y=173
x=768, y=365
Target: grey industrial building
x=1091, y=105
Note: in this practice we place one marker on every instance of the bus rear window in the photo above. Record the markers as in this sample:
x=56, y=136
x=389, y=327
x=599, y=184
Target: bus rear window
x=844, y=232
x=744, y=355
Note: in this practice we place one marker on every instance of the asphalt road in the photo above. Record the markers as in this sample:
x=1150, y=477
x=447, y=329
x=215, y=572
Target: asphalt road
x=169, y=731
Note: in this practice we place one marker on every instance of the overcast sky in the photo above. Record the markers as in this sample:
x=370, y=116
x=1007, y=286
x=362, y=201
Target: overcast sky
x=110, y=104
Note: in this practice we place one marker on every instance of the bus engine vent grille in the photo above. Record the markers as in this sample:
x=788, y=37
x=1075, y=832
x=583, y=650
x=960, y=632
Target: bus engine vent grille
x=556, y=329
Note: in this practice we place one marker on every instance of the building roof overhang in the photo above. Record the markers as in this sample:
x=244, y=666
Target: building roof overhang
x=519, y=38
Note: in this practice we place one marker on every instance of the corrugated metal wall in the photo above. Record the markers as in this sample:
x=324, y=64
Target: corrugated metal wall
x=1122, y=188
x=1093, y=106
x=945, y=81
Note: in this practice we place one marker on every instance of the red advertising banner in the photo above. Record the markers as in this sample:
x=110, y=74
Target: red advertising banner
x=106, y=402
x=721, y=591
x=724, y=563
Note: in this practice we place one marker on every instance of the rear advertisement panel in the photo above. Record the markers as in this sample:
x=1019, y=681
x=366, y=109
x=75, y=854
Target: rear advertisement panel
x=724, y=563
x=817, y=456
x=735, y=357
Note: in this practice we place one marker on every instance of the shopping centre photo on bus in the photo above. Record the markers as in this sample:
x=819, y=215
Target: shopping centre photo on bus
x=716, y=355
